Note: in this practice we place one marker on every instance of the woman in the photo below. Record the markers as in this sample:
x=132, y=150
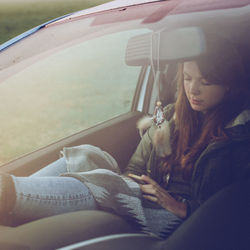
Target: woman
x=200, y=147
x=208, y=147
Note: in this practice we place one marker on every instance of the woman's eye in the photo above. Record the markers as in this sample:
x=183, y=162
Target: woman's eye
x=187, y=79
x=204, y=82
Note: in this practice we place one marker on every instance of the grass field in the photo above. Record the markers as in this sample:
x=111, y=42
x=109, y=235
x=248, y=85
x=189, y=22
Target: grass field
x=17, y=16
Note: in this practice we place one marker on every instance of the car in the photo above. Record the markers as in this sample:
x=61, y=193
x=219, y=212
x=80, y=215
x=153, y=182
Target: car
x=86, y=78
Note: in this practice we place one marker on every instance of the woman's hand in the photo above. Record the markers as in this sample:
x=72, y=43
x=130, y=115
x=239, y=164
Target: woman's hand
x=154, y=192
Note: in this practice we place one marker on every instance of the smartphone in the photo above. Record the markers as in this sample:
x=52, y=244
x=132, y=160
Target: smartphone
x=137, y=178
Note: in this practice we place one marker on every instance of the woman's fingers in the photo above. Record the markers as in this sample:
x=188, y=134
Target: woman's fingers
x=155, y=193
x=148, y=180
x=149, y=189
x=151, y=198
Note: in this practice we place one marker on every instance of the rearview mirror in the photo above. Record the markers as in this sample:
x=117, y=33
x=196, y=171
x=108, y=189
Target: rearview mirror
x=165, y=46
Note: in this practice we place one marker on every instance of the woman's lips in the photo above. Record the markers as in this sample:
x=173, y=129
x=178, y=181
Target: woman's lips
x=196, y=102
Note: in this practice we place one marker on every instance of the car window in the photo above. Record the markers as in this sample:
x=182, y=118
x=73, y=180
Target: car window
x=68, y=91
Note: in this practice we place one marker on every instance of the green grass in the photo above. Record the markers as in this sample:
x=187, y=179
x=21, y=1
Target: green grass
x=18, y=16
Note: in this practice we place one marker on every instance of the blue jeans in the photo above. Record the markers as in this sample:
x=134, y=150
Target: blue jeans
x=45, y=194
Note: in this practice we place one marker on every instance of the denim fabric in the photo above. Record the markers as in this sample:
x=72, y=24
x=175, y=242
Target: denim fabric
x=161, y=222
x=54, y=169
x=45, y=193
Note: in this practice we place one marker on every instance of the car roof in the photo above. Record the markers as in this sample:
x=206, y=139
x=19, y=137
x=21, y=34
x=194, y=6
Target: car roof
x=103, y=7
x=109, y=6
x=189, y=6
x=186, y=6
x=178, y=7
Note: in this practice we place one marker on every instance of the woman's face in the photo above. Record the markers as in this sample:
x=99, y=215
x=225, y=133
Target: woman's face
x=202, y=95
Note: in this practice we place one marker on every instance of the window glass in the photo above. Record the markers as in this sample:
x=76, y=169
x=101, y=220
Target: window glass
x=74, y=74
x=68, y=91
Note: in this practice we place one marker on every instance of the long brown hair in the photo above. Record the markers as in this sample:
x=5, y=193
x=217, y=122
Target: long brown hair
x=194, y=131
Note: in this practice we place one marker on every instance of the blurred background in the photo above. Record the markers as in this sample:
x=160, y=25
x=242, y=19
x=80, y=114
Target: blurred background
x=17, y=16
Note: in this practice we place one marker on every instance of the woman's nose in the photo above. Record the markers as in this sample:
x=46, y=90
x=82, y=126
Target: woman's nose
x=195, y=87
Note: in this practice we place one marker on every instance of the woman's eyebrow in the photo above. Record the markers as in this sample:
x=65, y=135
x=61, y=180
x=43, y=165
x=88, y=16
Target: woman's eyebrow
x=188, y=75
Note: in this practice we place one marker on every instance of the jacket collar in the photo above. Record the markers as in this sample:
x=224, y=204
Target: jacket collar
x=241, y=119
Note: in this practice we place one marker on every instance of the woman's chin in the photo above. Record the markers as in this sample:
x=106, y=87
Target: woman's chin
x=198, y=108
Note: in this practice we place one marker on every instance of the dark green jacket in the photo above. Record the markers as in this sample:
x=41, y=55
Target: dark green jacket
x=219, y=165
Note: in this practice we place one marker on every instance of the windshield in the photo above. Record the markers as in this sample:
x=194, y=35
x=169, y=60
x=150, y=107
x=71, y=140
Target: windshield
x=64, y=79
x=73, y=75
